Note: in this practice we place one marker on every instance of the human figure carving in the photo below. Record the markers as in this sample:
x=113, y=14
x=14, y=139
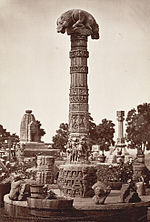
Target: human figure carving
x=18, y=186
x=77, y=18
x=101, y=191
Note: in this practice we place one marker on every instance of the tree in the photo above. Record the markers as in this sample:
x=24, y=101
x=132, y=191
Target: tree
x=92, y=131
x=138, y=128
x=104, y=134
x=40, y=130
x=7, y=137
x=61, y=138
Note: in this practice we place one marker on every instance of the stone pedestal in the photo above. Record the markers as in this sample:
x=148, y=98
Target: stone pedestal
x=45, y=170
x=76, y=180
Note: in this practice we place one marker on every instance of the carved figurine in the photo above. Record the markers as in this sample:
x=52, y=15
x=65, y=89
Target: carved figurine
x=18, y=186
x=101, y=191
x=77, y=18
x=50, y=195
x=129, y=193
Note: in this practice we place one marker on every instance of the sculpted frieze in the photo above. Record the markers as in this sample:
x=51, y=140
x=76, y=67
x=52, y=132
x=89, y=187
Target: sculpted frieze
x=79, y=107
x=79, y=69
x=78, y=91
x=79, y=53
x=79, y=99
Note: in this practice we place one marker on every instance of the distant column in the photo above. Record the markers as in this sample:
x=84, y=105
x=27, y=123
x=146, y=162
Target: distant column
x=120, y=139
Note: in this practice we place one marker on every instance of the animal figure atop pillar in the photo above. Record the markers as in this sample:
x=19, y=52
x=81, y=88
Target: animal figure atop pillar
x=78, y=21
x=79, y=25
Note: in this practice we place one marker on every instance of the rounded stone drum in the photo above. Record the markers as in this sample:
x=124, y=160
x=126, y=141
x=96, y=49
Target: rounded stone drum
x=45, y=169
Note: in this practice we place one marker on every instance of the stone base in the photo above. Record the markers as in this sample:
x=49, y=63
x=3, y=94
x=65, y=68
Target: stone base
x=60, y=203
x=76, y=180
x=83, y=209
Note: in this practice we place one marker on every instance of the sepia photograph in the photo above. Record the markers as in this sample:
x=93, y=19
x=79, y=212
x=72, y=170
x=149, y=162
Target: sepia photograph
x=75, y=110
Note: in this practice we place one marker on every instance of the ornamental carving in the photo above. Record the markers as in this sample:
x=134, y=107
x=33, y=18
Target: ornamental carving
x=120, y=116
x=78, y=121
x=79, y=69
x=78, y=91
x=79, y=99
x=79, y=53
x=77, y=182
x=79, y=107
x=77, y=21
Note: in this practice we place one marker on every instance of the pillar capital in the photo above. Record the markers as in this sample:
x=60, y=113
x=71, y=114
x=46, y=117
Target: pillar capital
x=120, y=116
x=78, y=22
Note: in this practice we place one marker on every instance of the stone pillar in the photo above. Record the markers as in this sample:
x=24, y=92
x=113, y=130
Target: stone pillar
x=120, y=139
x=78, y=107
x=75, y=179
x=45, y=170
x=79, y=25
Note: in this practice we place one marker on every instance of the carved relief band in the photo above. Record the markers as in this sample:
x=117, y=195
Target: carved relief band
x=79, y=53
x=79, y=69
x=78, y=91
x=78, y=107
x=78, y=122
x=78, y=99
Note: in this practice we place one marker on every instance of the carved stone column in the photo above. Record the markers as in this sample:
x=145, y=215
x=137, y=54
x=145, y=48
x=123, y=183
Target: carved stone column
x=77, y=178
x=78, y=107
x=120, y=139
x=79, y=25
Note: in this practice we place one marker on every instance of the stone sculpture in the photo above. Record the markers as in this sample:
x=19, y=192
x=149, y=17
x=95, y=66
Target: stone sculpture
x=101, y=191
x=75, y=19
x=79, y=24
x=18, y=186
x=129, y=193
x=78, y=150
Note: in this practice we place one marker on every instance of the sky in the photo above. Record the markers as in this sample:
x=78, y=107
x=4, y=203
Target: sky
x=34, y=60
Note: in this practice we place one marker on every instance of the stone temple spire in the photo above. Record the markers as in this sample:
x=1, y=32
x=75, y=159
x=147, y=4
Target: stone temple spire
x=29, y=128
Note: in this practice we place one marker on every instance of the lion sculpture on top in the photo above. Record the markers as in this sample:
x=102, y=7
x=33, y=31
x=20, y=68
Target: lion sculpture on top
x=78, y=19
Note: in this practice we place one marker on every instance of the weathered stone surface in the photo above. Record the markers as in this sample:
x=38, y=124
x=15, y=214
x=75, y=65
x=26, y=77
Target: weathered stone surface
x=101, y=191
x=45, y=169
x=129, y=194
x=29, y=128
x=78, y=21
x=61, y=203
x=76, y=180
x=83, y=210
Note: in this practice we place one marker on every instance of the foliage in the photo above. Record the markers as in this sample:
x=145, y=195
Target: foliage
x=61, y=138
x=7, y=136
x=92, y=131
x=101, y=134
x=138, y=127
x=41, y=131
x=104, y=133
x=117, y=173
